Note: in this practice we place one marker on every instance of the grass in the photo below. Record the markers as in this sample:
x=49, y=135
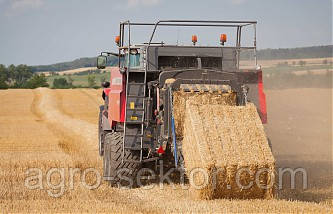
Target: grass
x=81, y=80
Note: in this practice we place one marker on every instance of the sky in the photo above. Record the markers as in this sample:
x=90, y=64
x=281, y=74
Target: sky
x=37, y=32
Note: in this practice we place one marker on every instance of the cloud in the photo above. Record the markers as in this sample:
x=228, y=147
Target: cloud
x=136, y=3
x=15, y=7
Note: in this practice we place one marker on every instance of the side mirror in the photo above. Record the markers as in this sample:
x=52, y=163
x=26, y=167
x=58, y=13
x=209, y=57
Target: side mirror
x=101, y=62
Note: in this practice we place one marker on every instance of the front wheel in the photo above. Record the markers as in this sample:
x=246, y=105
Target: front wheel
x=116, y=171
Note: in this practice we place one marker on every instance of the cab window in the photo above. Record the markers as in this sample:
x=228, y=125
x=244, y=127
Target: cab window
x=135, y=60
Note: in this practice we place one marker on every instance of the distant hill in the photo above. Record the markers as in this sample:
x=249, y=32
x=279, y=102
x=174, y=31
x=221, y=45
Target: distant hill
x=265, y=54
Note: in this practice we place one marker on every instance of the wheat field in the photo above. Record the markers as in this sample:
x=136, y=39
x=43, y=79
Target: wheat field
x=44, y=128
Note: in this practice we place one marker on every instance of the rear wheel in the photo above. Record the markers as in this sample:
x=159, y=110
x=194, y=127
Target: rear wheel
x=118, y=172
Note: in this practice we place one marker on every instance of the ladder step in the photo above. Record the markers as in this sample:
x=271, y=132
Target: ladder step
x=134, y=122
x=135, y=96
x=135, y=113
x=140, y=70
x=135, y=109
x=136, y=83
x=134, y=135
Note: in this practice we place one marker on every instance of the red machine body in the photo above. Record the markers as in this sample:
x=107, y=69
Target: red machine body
x=117, y=97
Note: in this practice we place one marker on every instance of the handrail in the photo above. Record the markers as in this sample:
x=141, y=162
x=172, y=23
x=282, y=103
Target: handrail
x=196, y=23
x=232, y=24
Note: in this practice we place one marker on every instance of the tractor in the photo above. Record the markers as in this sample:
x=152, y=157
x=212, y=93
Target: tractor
x=136, y=124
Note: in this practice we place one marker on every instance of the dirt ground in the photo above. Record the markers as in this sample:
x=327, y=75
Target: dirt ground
x=45, y=129
x=300, y=129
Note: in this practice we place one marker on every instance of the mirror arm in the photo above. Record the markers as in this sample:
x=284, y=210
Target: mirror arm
x=109, y=53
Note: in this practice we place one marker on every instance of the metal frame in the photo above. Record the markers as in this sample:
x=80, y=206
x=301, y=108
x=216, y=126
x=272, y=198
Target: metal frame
x=192, y=23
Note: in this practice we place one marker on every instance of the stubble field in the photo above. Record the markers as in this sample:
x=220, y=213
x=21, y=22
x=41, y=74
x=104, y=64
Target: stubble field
x=46, y=129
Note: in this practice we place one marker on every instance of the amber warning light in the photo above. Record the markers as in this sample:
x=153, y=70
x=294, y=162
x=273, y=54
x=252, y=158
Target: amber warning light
x=194, y=39
x=117, y=40
x=223, y=38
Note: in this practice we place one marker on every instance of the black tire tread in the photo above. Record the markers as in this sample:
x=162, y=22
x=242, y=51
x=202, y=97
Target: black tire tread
x=113, y=148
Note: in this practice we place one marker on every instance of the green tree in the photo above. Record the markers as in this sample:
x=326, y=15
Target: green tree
x=3, y=72
x=70, y=80
x=91, y=81
x=60, y=83
x=19, y=75
x=3, y=77
x=36, y=81
x=3, y=84
x=103, y=79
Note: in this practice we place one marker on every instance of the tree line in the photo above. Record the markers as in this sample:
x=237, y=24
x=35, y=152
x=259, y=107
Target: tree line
x=66, y=82
x=21, y=76
x=78, y=63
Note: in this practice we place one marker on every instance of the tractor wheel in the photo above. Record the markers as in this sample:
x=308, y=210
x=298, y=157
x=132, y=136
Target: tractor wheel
x=117, y=172
x=101, y=135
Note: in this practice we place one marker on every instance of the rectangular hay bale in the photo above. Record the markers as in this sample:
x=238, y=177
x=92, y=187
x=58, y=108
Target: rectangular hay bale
x=226, y=142
x=179, y=104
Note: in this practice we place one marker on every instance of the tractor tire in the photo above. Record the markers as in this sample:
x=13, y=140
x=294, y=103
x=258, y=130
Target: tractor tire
x=118, y=172
x=101, y=133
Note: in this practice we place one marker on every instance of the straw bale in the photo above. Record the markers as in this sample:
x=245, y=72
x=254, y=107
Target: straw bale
x=179, y=104
x=221, y=140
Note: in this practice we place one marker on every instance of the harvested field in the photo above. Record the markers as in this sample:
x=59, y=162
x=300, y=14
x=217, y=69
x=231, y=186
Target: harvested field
x=230, y=145
x=275, y=62
x=52, y=134
x=79, y=104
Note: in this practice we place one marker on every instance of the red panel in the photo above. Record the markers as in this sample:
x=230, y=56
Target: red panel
x=123, y=101
x=116, y=96
x=262, y=99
